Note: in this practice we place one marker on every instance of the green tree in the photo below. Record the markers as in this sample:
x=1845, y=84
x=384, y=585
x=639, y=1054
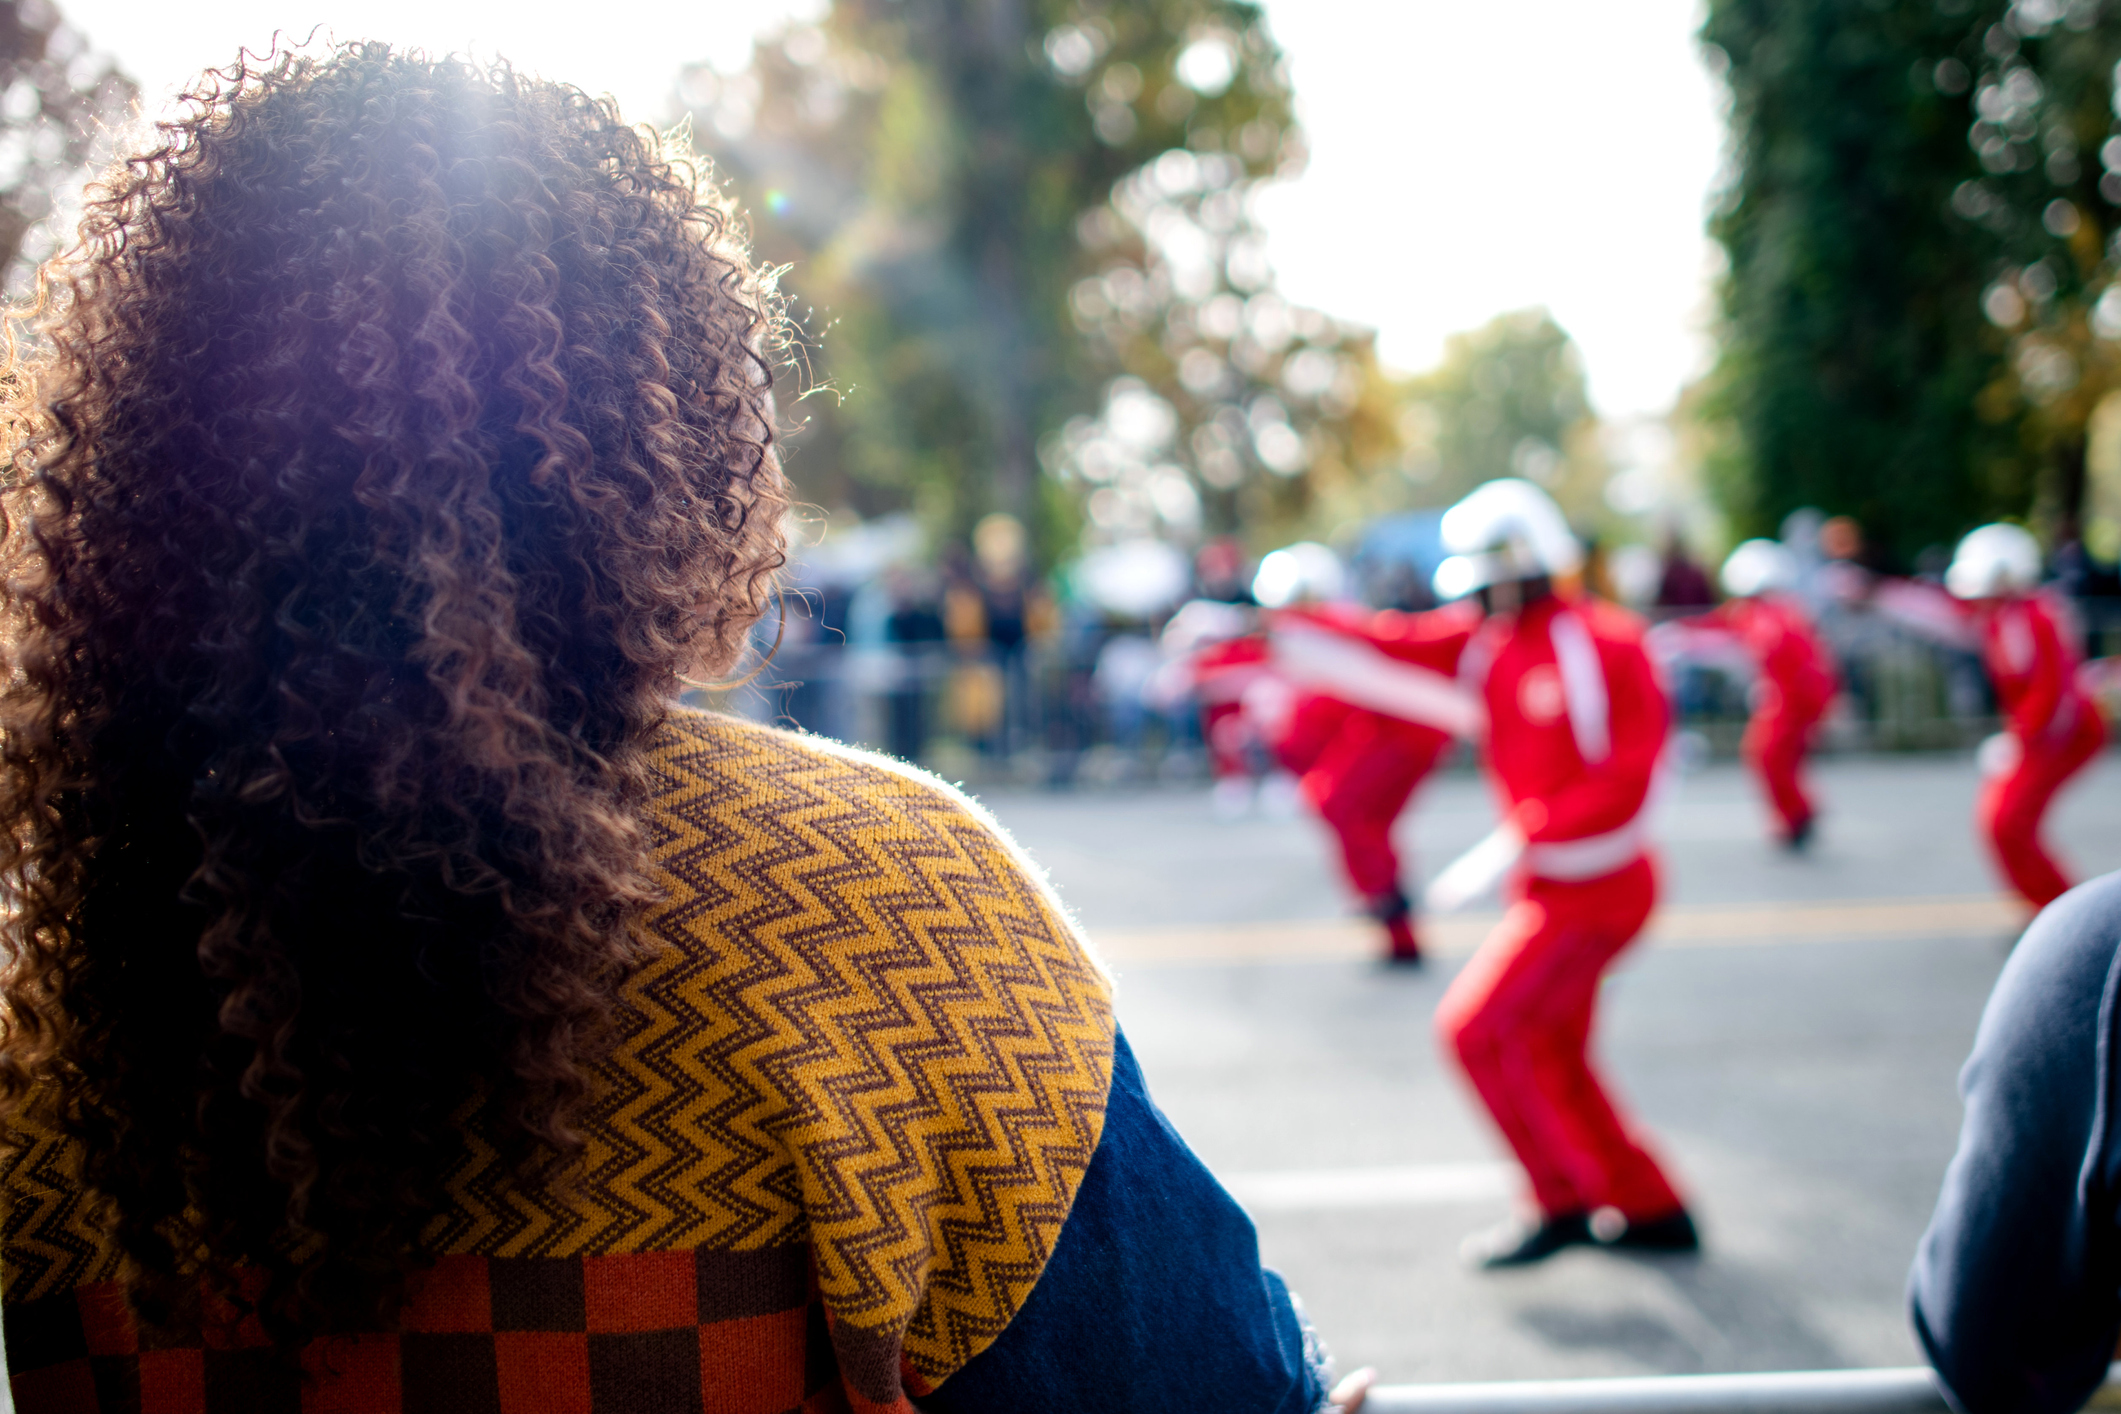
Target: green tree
x=1277, y=415
x=2044, y=132
x=1009, y=222
x=1509, y=399
x=1854, y=352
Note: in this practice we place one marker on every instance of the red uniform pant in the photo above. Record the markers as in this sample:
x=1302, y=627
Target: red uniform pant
x=1312, y=725
x=1229, y=739
x=1518, y=1017
x=2013, y=803
x=1776, y=740
x=1359, y=782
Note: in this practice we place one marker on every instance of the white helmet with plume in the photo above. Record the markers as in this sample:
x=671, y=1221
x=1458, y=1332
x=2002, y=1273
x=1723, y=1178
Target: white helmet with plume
x=1996, y=559
x=1295, y=574
x=1506, y=529
x=1758, y=566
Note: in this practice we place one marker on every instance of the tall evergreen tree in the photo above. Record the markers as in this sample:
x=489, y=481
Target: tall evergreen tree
x=1855, y=351
x=2045, y=133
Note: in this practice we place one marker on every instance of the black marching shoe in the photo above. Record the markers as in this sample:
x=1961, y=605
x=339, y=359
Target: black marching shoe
x=1518, y=1243
x=1396, y=912
x=1674, y=1232
x=1402, y=948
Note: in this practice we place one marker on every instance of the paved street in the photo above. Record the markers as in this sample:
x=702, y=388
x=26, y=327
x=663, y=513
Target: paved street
x=1791, y=1033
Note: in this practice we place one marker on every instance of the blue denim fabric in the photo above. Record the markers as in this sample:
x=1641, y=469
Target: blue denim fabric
x=2016, y=1290
x=1154, y=1298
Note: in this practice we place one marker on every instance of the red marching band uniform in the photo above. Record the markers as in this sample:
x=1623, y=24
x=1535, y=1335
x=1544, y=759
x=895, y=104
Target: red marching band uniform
x=1222, y=674
x=1574, y=721
x=1796, y=686
x=1576, y=725
x=1357, y=705
x=1377, y=704
x=2054, y=727
x=1215, y=655
x=1794, y=683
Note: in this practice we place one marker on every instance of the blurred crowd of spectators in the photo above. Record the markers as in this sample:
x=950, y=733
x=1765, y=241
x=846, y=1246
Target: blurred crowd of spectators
x=973, y=664
x=1901, y=688
x=968, y=662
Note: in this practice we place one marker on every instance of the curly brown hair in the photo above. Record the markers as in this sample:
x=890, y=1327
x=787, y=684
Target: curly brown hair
x=396, y=438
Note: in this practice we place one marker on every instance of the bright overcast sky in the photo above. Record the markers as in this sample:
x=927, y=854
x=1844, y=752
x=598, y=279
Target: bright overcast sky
x=1466, y=159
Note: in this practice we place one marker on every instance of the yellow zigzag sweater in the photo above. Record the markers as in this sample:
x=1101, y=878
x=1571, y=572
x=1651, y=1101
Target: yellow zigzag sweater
x=858, y=1084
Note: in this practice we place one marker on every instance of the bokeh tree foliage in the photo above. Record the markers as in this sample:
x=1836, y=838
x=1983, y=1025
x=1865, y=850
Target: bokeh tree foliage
x=1509, y=399
x=1018, y=232
x=1854, y=350
x=57, y=95
x=2044, y=132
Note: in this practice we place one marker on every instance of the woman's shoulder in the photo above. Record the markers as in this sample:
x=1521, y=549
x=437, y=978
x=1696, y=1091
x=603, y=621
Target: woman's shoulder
x=695, y=748
x=800, y=822
x=863, y=1022
x=781, y=852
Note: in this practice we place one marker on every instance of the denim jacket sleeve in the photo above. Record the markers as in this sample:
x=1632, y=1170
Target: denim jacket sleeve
x=1153, y=1299
x=2014, y=1288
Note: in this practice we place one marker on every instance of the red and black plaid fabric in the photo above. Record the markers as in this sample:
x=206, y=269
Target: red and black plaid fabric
x=634, y=1333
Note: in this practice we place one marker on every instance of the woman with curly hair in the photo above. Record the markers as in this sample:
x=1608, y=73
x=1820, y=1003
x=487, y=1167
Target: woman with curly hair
x=407, y=1004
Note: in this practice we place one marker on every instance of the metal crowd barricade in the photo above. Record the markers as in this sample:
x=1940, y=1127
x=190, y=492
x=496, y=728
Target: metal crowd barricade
x=1902, y=1391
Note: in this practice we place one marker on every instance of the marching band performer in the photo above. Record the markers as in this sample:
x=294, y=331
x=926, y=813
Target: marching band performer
x=2052, y=727
x=1794, y=679
x=1358, y=706
x=1576, y=722
x=1214, y=653
x=1378, y=703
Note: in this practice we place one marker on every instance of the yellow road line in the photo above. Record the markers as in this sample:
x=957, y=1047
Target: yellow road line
x=1679, y=926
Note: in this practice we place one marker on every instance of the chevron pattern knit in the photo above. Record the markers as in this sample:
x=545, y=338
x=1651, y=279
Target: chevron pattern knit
x=868, y=1040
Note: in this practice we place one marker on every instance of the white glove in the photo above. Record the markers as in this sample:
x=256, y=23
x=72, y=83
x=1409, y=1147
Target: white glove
x=1474, y=873
x=1999, y=755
